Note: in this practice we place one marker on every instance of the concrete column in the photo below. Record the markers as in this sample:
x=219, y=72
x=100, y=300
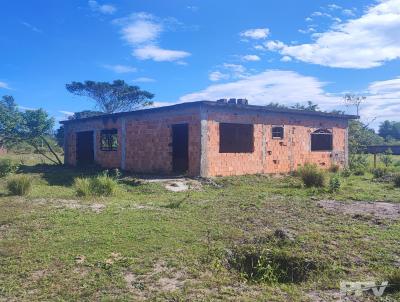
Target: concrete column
x=66, y=146
x=123, y=143
x=264, y=146
x=95, y=145
x=346, y=146
x=203, y=142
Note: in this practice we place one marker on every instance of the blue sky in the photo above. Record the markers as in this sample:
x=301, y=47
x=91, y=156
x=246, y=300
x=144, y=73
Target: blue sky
x=187, y=50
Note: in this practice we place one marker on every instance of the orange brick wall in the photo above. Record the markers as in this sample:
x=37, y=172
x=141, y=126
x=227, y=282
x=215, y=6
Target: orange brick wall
x=273, y=155
x=148, y=141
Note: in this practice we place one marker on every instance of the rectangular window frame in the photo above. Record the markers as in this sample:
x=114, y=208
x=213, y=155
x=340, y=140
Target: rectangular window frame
x=273, y=136
x=314, y=149
x=109, y=140
x=233, y=138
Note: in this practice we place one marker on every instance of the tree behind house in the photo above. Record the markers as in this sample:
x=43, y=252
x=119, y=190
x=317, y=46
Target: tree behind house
x=112, y=97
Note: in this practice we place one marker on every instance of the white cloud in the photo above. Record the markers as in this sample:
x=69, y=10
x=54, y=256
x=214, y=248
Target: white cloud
x=286, y=59
x=140, y=28
x=106, y=9
x=4, y=85
x=255, y=33
x=67, y=113
x=251, y=58
x=366, y=42
x=286, y=87
x=153, y=52
x=142, y=31
x=383, y=101
x=216, y=76
x=121, y=68
x=144, y=80
x=334, y=6
x=31, y=27
x=348, y=12
x=308, y=19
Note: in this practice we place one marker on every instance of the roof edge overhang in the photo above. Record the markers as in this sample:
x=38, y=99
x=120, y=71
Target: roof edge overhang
x=212, y=104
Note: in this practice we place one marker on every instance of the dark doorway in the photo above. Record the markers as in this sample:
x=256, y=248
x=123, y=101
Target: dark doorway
x=84, y=148
x=180, y=146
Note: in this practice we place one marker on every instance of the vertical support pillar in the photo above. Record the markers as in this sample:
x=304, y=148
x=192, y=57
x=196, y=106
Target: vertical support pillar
x=123, y=143
x=264, y=147
x=95, y=145
x=203, y=142
x=66, y=146
x=346, y=147
x=374, y=160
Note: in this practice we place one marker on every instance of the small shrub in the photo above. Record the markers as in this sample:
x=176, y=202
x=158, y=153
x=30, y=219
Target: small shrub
x=394, y=281
x=7, y=166
x=334, y=168
x=82, y=186
x=387, y=158
x=312, y=176
x=379, y=172
x=396, y=180
x=257, y=264
x=19, y=185
x=102, y=185
x=358, y=162
x=359, y=171
x=346, y=172
x=334, y=183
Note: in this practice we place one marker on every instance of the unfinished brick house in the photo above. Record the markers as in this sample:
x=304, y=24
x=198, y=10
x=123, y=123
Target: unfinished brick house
x=209, y=139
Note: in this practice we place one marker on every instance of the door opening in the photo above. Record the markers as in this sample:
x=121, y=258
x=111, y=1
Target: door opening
x=180, y=148
x=84, y=148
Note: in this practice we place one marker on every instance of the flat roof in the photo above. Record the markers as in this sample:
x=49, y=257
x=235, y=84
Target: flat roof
x=181, y=106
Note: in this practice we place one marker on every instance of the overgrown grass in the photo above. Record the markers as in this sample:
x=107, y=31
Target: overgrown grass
x=19, y=185
x=312, y=176
x=101, y=185
x=176, y=245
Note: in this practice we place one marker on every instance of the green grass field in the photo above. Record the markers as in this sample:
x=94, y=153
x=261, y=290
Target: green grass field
x=148, y=243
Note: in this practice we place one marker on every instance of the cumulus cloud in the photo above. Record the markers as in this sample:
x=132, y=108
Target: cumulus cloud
x=286, y=87
x=106, y=9
x=142, y=31
x=251, y=58
x=230, y=71
x=366, y=42
x=121, y=68
x=255, y=33
x=286, y=59
x=4, y=85
x=383, y=101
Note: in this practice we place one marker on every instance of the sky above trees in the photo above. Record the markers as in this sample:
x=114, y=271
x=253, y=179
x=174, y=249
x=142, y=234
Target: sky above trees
x=188, y=50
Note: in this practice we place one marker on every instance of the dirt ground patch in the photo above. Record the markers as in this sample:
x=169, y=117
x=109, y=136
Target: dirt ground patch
x=178, y=184
x=71, y=204
x=160, y=279
x=378, y=210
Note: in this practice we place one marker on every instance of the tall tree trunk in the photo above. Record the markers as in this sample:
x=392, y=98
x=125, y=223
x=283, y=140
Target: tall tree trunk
x=52, y=151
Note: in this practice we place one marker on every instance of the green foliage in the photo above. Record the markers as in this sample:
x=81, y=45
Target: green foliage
x=334, y=168
x=33, y=127
x=334, y=183
x=310, y=106
x=360, y=136
x=112, y=97
x=394, y=281
x=85, y=114
x=7, y=166
x=386, y=158
x=101, y=185
x=312, y=176
x=19, y=185
x=358, y=162
x=389, y=130
x=345, y=172
x=379, y=172
x=396, y=180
